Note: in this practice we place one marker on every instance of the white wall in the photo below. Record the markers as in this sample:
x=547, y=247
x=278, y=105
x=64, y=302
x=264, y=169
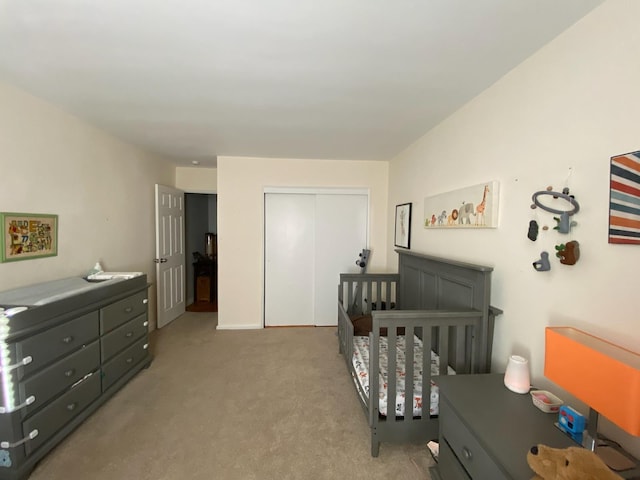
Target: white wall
x=197, y=179
x=574, y=104
x=241, y=183
x=101, y=188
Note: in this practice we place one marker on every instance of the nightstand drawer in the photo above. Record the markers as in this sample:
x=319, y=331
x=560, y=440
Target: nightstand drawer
x=448, y=465
x=466, y=448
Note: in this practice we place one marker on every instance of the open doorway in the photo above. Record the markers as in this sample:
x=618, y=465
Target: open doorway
x=201, y=252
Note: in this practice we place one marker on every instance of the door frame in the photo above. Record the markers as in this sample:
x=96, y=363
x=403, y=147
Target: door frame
x=308, y=191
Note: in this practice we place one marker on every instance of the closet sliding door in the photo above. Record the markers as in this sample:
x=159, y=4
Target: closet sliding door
x=310, y=238
x=289, y=239
x=341, y=234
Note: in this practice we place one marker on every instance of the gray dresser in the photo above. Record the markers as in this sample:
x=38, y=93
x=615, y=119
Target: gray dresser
x=62, y=357
x=486, y=430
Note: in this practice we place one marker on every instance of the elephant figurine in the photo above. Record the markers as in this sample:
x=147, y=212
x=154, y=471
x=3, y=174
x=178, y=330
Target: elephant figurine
x=466, y=210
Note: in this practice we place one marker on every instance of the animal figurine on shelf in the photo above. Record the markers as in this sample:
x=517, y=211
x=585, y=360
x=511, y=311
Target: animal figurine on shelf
x=568, y=253
x=572, y=463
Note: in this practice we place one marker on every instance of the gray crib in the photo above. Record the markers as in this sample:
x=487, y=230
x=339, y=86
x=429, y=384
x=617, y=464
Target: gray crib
x=443, y=302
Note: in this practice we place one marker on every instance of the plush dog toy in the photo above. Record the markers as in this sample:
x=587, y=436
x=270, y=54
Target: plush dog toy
x=572, y=463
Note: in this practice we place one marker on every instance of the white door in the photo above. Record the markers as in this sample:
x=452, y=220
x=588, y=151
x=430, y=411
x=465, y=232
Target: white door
x=309, y=240
x=341, y=234
x=289, y=245
x=170, y=261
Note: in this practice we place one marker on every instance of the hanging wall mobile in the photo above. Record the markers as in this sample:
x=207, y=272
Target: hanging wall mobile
x=568, y=252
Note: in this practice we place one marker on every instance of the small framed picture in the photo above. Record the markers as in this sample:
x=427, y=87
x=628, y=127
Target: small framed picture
x=403, y=226
x=27, y=235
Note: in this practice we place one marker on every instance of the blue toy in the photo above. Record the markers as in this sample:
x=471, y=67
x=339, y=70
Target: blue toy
x=571, y=422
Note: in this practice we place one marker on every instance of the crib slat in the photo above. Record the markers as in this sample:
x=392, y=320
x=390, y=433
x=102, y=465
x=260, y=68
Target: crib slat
x=391, y=373
x=443, y=346
x=426, y=374
x=365, y=296
x=460, y=341
x=408, y=369
x=374, y=372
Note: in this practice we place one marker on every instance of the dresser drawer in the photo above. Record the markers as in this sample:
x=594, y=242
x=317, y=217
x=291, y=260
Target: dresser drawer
x=123, y=362
x=47, y=346
x=465, y=447
x=123, y=336
x=448, y=465
x=60, y=412
x=52, y=380
x=122, y=311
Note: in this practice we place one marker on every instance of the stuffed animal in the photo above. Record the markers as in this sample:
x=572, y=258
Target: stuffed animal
x=568, y=254
x=572, y=463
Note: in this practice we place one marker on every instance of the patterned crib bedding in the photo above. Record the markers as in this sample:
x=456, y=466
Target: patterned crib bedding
x=361, y=364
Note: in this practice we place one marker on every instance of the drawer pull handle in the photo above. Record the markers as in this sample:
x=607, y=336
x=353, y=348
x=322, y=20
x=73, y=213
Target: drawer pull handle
x=129, y=334
x=72, y=406
x=69, y=372
x=129, y=360
x=145, y=301
x=31, y=436
x=128, y=310
x=28, y=401
x=145, y=324
x=466, y=453
x=68, y=339
x=25, y=361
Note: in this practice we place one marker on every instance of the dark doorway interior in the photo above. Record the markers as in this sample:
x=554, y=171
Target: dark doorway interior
x=201, y=252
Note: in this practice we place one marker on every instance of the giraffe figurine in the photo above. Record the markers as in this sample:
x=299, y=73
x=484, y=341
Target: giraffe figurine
x=481, y=207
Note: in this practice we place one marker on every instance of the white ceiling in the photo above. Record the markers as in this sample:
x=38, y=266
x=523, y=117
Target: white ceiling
x=343, y=79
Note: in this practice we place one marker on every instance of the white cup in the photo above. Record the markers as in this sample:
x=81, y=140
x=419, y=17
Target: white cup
x=517, y=378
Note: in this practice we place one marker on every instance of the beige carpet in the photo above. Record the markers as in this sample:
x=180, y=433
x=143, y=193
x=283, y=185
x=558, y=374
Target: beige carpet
x=233, y=405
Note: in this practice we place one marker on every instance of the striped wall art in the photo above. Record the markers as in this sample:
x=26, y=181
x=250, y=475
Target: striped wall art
x=624, y=203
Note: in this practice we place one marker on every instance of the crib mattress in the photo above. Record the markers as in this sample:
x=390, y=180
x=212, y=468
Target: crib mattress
x=361, y=364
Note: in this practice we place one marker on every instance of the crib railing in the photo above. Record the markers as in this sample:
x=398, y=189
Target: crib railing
x=362, y=293
x=435, y=327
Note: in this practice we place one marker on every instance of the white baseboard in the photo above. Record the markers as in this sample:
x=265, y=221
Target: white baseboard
x=239, y=327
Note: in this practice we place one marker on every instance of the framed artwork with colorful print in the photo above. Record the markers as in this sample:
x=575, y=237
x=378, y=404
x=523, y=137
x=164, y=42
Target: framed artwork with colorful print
x=27, y=235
